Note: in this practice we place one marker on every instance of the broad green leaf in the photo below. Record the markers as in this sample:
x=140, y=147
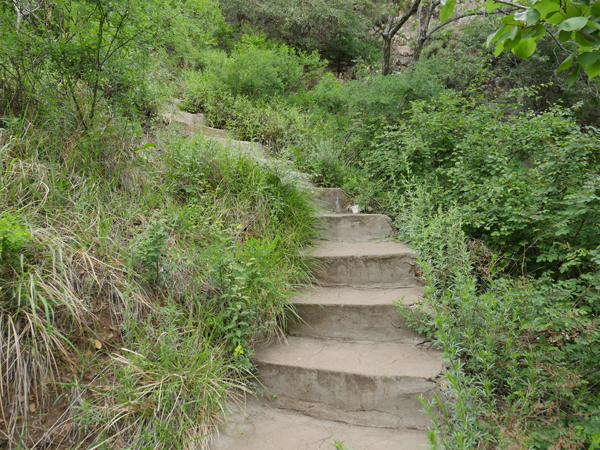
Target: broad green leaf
x=491, y=5
x=509, y=20
x=593, y=23
x=525, y=48
x=582, y=40
x=573, y=76
x=555, y=18
x=564, y=36
x=447, y=10
x=577, y=11
x=595, y=10
x=566, y=63
x=540, y=31
x=581, y=2
x=529, y=17
x=509, y=44
x=546, y=7
x=593, y=70
x=573, y=24
x=495, y=36
x=509, y=35
x=535, y=33
x=499, y=48
x=588, y=58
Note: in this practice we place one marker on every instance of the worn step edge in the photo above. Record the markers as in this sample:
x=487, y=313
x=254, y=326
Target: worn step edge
x=257, y=426
x=351, y=314
x=365, y=264
x=352, y=377
x=356, y=227
x=386, y=402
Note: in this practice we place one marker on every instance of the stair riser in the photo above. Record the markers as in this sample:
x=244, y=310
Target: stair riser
x=356, y=399
x=356, y=227
x=330, y=199
x=356, y=322
x=367, y=271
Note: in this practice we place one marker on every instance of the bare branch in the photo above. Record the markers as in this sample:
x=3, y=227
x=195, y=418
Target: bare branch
x=460, y=16
x=514, y=5
x=405, y=17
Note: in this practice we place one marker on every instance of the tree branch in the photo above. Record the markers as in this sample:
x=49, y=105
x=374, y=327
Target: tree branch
x=405, y=17
x=514, y=5
x=556, y=40
x=460, y=16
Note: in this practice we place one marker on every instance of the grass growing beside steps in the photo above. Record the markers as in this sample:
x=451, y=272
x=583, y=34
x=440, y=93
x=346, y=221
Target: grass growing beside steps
x=134, y=281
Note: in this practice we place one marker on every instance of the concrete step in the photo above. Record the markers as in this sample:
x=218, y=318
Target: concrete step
x=366, y=264
x=252, y=426
x=373, y=384
x=353, y=314
x=356, y=227
x=331, y=199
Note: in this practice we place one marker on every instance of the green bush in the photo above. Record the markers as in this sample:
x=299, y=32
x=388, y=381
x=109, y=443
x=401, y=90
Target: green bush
x=13, y=237
x=258, y=68
x=528, y=181
x=522, y=354
x=335, y=28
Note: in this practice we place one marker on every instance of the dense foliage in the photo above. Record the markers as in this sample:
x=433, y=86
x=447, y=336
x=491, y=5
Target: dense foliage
x=336, y=28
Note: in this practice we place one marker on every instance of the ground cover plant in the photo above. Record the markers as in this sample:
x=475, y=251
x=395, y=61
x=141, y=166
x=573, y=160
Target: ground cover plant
x=94, y=291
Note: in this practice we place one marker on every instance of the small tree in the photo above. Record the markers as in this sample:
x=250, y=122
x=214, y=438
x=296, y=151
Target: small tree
x=392, y=25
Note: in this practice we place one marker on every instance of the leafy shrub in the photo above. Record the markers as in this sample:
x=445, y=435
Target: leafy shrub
x=13, y=237
x=335, y=28
x=528, y=181
x=259, y=68
x=522, y=354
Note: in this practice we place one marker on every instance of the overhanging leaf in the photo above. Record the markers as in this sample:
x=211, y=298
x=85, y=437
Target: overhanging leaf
x=564, y=36
x=546, y=7
x=509, y=44
x=573, y=76
x=525, y=48
x=529, y=17
x=593, y=69
x=566, y=63
x=447, y=10
x=588, y=58
x=491, y=5
x=555, y=18
x=499, y=48
x=573, y=24
x=509, y=35
x=583, y=41
x=494, y=36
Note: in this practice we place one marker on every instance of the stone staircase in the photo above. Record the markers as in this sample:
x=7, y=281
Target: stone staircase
x=350, y=369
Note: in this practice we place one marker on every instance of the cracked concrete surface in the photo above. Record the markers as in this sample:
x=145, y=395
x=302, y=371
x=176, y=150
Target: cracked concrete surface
x=276, y=429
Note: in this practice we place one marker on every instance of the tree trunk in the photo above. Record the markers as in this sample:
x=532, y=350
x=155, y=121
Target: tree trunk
x=387, y=46
x=387, y=50
x=390, y=31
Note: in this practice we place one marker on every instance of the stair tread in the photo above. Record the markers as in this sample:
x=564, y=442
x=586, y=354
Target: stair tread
x=347, y=296
x=392, y=359
x=327, y=249
x=263, y=427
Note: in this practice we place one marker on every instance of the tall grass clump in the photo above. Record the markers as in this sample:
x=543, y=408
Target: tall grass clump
x=120, y=269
